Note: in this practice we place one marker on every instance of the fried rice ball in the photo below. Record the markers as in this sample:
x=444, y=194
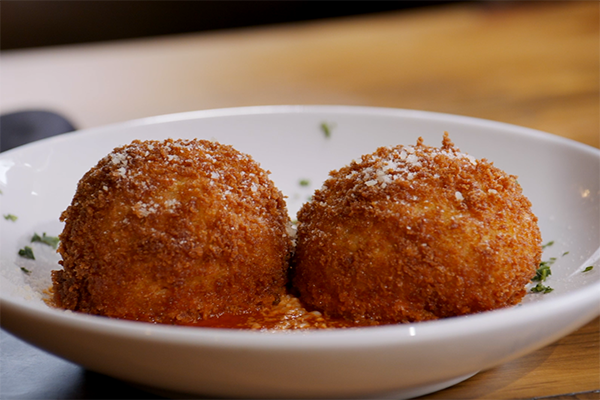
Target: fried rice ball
x=173, y=232
x=414, y=233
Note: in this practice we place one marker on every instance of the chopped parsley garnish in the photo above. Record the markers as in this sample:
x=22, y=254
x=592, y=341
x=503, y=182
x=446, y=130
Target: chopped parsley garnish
x=543, y=271
x=550, y=243
x=539, y=288
x=27, y=252
x=49, y=240
x=10, y=217
x=327, y=128
x=591, y=267
x=25, y=270
x=304, y=182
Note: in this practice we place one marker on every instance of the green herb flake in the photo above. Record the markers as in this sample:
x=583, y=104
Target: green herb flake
x=543, y=271
x=10, y=217
x=25, y=270
x=51, y=241
x=550, y=243
x=539, y=288
x=304, y=182
x=587, y=269
x=565, y=253
x=327, y=128
x=27, y=252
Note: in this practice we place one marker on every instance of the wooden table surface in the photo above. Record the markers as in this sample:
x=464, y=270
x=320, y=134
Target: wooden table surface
x=534, y=64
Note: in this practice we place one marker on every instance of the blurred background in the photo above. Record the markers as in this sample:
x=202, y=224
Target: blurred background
x=530, y=63
x=47, y=23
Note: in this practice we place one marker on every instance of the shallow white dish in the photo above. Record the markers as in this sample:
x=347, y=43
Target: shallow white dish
x=560, y=177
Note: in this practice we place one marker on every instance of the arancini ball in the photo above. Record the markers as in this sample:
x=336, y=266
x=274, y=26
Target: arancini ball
x=174, y=232
x=414, y=233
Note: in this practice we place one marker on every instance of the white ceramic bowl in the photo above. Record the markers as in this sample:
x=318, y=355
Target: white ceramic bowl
x=560, y=177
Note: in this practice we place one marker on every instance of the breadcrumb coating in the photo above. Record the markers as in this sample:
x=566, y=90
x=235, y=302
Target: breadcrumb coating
x=414, y=233
x=174, y=232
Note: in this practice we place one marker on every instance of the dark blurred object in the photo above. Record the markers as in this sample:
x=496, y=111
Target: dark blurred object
x=22, y=127
x=45, y=23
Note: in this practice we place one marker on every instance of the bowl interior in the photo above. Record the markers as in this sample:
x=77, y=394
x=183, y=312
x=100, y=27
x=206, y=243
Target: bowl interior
x=560, y=177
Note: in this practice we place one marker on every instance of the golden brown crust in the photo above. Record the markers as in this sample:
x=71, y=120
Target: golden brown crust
x=414, y=233
x=173, y=231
